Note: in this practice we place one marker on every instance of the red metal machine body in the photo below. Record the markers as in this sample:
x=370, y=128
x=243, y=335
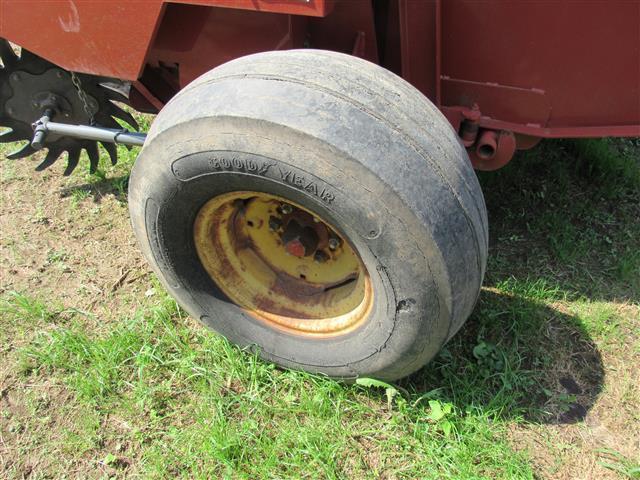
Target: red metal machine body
x=504, y=73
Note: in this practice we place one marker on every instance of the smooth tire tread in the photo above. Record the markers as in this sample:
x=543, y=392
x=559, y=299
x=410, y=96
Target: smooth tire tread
x=404, y=188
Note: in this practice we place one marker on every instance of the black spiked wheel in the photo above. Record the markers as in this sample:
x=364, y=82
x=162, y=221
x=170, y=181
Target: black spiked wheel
x=22, y=80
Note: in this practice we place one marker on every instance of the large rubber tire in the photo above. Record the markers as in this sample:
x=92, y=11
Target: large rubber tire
x=364, y=150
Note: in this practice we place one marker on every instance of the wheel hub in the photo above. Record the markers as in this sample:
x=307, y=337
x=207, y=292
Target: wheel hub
x=274, y=259
x=302, y=236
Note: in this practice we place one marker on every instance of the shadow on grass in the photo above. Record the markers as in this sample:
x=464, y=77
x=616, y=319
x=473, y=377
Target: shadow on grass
x=516, y=358
x=116, y=186
x=568, y=220
x=564, y=225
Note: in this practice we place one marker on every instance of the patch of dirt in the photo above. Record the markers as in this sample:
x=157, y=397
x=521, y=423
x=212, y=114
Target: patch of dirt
x=80, y=251
x=72, y=251
x=568, y=450
x=27, y=415
x=45, y=434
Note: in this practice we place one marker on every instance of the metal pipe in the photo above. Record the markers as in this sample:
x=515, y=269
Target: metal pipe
x=487, y=145
x=100, y=134
x=124, y=137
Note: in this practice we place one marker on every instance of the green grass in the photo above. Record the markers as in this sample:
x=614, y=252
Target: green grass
x=575, y=215
x=199, y=407
x=607, y=161
x=150, y=394
x=618, y=463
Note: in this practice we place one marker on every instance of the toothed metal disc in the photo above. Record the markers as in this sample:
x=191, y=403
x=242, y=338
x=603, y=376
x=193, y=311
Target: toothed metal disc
x=26, y=81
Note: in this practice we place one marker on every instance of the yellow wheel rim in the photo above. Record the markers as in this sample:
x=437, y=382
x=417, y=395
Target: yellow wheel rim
x=283, y=264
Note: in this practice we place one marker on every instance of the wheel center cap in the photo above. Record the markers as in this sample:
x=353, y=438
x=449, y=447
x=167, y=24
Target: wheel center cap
x=295, y=247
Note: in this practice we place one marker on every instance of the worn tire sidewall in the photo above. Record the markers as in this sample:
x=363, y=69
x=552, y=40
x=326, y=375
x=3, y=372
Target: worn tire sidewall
x=192, y=162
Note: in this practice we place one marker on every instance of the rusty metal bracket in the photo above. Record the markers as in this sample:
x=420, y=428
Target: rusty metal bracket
x=470, y=124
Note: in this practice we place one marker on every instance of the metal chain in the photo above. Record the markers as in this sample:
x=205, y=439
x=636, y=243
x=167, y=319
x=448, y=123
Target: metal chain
x=83, y=97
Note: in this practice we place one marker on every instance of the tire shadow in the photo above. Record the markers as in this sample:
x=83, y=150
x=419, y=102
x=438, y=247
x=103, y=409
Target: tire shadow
x=554, y=220
x=116, y=186
x=559, y=232
x=519, y=358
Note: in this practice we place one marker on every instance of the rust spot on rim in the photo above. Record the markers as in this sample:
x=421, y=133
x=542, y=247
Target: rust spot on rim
x=297, y=294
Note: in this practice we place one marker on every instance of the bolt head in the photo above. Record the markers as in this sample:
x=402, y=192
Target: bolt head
x=286, y=208
x=333, y=243
x=274, y=223
x=320, y=256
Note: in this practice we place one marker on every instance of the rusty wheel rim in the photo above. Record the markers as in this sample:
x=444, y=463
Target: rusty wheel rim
x=283, y=264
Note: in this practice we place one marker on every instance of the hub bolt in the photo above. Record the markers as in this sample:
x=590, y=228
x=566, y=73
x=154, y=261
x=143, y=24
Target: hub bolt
x=321, y=256
x=274, y=223
x=333, y=243
x=286, y=208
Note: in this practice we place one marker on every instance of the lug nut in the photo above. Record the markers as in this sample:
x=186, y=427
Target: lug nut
x=274, y=224
x=333, y=243
x=320, y=256
x=286, y=209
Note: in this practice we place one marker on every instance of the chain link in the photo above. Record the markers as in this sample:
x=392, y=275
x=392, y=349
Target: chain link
x=83, y=97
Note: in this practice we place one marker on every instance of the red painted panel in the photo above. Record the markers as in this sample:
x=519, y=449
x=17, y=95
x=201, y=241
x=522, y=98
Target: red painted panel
x=418, y=43
x=583, y=57
x=349, y=22
x=312, y=8
x=520, y=105
x=111, y=38
x=539, y=67
x=199, y=38
x=90, y=36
